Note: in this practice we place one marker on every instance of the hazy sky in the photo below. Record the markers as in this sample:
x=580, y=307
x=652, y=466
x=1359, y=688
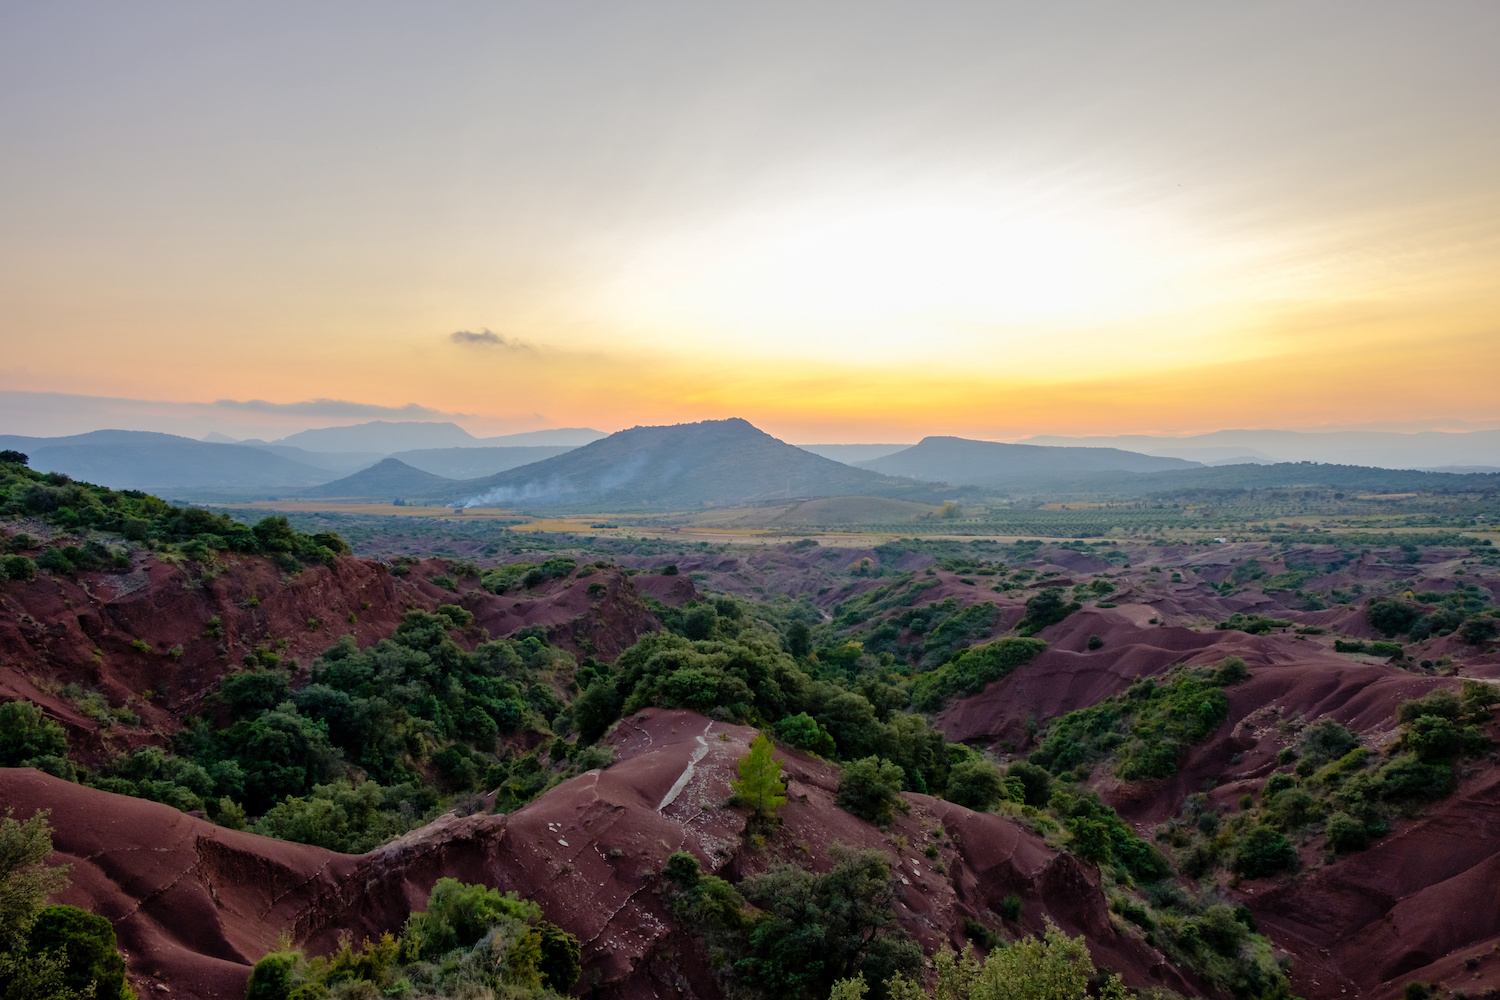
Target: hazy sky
x=859, y=221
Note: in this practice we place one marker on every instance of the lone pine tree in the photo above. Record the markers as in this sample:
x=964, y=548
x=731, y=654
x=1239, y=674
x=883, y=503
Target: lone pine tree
x=760, y=786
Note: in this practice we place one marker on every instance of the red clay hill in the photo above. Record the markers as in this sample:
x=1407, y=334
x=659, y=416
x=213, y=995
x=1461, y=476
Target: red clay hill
x=194, y=905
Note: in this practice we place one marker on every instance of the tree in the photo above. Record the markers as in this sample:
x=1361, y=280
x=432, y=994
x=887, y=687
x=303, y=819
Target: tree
x=760, y=786
x=871, y=789
x=1046, y=608
x=51, y=953
x=25, y=882
x=560, y=965
x=975, y=783
x=88, y=944
x=1052, y=967
x=1262, y=852
x=26, y=733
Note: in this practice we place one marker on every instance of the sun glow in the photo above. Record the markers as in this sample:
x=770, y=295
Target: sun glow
x=867, y=279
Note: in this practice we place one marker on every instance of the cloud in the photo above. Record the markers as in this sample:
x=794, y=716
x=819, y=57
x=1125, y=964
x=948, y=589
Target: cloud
x=332, y=408
x=484, y=338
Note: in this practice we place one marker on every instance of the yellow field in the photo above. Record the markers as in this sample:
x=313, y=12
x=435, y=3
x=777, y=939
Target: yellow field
x=350, y=507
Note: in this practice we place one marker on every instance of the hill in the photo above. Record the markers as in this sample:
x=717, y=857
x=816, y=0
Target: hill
x=475, y=463
x=985, y=463
x=1390, y=450
x=149, y=460
x=387, y=478
x=383, y=436
x=387, y=437
x=1282, y=475
x=713, y=463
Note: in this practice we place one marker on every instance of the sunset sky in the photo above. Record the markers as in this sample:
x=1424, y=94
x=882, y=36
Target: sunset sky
x=841, y=221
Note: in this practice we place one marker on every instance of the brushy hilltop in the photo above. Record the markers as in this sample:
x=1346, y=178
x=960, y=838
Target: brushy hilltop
x=140, y=517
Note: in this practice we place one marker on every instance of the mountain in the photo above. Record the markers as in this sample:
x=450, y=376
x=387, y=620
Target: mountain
x=990, y=463
x=333, y=463
x=386, y=479
x=713, y=463
x=387, y=437
x=382, y=436
x=1282, y=475
x=474, y=463
x=149, y=460
x=571, y=437
x=849, y=454
x=1381, y=449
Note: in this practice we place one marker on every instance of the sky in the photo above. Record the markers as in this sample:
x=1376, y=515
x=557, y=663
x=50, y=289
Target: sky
x=842, y=221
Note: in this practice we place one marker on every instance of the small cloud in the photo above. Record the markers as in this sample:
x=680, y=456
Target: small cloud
x=331, y=408
x=484, y=338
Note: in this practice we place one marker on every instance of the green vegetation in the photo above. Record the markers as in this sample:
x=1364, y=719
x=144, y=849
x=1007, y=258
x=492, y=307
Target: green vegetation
x=871, y=789
x=365, y=751
x=749, y=678
x=525, y=575
x=1145, y=731
x=1337, y=786
x=791, y=933
x=470, y=941
x=49, y=952
x=971, y=671
x=1052, y=967
x=1254, y=624
x=30, y=739
x=760, y=787
x=139, y=517
x=1046, y=608
x=1439, y=613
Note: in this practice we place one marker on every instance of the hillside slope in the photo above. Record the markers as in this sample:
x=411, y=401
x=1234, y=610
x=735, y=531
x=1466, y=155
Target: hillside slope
x=713, y=463
x=476, y=463
x=195, y=905
x=387, y=478
x=982, y=463
x=148, y=460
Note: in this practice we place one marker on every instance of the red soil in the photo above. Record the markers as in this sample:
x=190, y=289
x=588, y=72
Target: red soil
x=56, y=631
x=195, y=905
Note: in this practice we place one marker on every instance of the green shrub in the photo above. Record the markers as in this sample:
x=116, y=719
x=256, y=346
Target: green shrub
x=971, y=671
x=87, y=941
x=975, y=783
x=1433, y=738
x=802, y=731
x=871, y=789
x=18, y=568
x=1043, y=609
x=560, y=963
x=1231, y=670
x=1277, y=783
x=1345, y=834
x=1326, y=740
x=1035, y=781
x=26, y=734
x=1263, y=851
x=458, y=915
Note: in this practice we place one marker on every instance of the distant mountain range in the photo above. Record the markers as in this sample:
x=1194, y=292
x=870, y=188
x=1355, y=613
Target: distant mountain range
x=148, y=460
x=680, y=467
x=683, y=466
x=1380, y=449
x=990, y=463
x=388, y=437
